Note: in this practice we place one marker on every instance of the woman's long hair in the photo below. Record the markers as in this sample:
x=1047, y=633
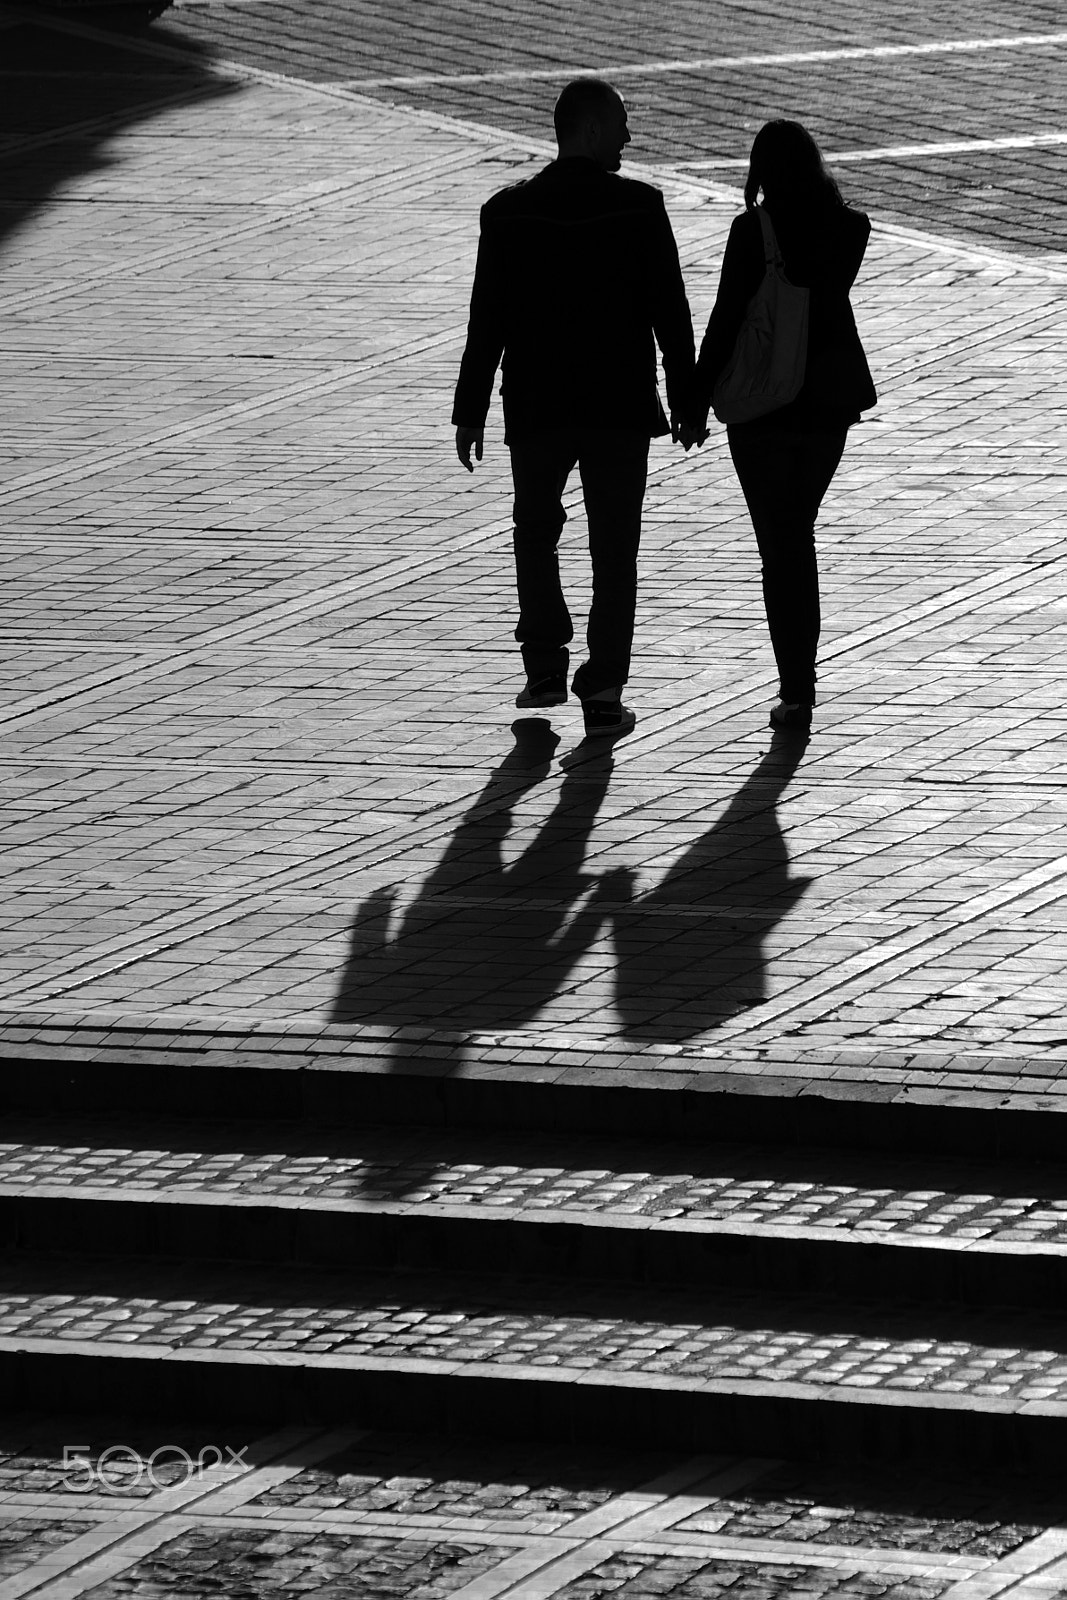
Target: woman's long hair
x=787, y=165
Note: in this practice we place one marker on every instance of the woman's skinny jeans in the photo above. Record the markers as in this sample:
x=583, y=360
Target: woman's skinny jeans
x=784, y=473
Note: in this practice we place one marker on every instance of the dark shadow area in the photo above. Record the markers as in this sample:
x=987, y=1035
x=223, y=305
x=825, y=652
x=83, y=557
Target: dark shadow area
x=895, y=1507
x=487, y=943
x=69, y=97
x=691, y=953
x=387, y=1150
x=451, y=1313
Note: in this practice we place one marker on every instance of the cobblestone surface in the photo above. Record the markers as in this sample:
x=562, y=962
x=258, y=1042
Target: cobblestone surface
x=637, y=1577
x=253, y=1563
x=108, y=1459
x=888, y=1507
x=932, y=1198
x=540, y=1490
x=542, y=1322
x=24, y=1541
x=388, y=1513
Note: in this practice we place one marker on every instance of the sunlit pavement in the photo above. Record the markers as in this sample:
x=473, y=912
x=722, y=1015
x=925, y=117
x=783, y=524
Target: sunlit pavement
x=259, y=620
x=262, y=777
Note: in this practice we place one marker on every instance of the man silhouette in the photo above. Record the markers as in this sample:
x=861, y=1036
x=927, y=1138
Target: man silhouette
x=576, y=282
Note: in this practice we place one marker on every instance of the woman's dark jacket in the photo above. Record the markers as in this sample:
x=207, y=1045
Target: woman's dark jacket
x=821, y=252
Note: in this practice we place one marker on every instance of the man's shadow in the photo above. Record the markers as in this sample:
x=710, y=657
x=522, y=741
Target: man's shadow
x=486, y=944
x=690, y=954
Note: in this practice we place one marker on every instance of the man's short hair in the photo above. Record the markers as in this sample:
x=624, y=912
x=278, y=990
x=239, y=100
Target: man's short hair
x=581, y=98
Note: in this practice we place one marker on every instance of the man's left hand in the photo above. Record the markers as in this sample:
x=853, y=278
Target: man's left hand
x=465, y=438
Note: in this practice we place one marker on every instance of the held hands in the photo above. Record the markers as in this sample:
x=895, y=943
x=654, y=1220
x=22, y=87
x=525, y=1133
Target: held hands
x=465, y=437
x=686, y=433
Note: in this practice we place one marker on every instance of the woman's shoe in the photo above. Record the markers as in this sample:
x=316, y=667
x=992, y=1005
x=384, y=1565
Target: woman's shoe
x=791, y=716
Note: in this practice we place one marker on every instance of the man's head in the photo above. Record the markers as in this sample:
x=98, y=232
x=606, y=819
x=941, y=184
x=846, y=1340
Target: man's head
x=590, y=121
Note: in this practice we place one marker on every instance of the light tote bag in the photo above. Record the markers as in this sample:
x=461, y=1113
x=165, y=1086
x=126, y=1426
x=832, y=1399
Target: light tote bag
x=766, y=369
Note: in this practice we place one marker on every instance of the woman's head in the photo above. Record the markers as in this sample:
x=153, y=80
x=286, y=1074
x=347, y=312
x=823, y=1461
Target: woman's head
x=787, y=165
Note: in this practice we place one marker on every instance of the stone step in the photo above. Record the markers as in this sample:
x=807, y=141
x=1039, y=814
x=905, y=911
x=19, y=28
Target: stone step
x=805, y=1374
x=847, y=1099
x=747, y=1215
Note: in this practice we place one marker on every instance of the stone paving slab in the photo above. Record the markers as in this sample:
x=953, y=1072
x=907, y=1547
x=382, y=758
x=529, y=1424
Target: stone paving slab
x=394, y=1513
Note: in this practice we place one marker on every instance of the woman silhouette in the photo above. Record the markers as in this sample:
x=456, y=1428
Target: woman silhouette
x=785, y=460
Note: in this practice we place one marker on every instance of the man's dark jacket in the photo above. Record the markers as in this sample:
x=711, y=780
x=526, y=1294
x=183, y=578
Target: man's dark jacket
x=577, y=280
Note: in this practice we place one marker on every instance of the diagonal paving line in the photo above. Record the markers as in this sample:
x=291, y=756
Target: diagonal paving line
x=321, y=601
x=674, y=177
x=686, y=1498
x=353, y=372
x=106, y=681
x=327, y=193
x=584, y=1542
x=538, y=1571
x=892, y=152
x=643, y=742
x=118, y=120
x=1037, y=1570
x=899, y=954
x=790, y=58
x=399, y=572
x=75, y=970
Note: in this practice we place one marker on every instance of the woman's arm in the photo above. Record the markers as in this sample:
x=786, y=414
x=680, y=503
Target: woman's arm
x=739, y=278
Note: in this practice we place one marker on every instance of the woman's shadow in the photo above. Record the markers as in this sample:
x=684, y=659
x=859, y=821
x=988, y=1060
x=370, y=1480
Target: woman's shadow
x=691, y=953
x=486, y=944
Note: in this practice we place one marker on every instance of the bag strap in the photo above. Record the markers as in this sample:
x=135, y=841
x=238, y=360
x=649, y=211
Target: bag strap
x=771, y=254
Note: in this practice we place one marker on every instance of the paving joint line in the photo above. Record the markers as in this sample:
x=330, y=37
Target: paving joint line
x=719, y=63
x=339, y=377
x=900, y=954
x=179, y=927
x=137, y=266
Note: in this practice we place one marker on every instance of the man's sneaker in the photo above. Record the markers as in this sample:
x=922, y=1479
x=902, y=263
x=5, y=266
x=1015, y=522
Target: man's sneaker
x=550, y=691
x=790, y=716
x=607, y=716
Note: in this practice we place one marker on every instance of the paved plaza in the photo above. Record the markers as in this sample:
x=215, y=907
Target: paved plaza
x=264, y=778
x=258, y=739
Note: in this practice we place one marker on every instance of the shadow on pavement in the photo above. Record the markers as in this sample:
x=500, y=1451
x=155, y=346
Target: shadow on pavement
x=487, y=944
x=68, y=98
x=691, y=953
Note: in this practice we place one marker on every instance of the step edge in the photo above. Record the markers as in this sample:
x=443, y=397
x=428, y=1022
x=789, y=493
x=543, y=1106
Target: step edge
x=454, y=1210
x=743, y=1388
x=622, y=1069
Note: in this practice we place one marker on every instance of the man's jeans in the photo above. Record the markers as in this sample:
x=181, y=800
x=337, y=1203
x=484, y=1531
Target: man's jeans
x=784, y=474
x=613, y=464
